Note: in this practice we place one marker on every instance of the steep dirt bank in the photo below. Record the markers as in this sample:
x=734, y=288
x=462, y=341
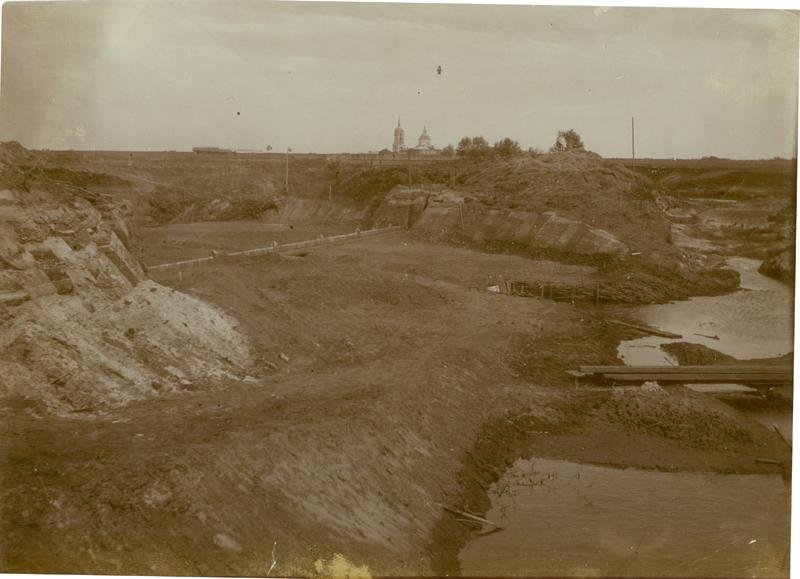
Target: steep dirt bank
x=780, y=266
x=82, y=328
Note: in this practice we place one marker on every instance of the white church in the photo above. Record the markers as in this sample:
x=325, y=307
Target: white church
x=424, y=146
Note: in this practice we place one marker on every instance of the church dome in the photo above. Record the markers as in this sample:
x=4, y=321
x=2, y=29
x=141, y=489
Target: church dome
x=424, y=138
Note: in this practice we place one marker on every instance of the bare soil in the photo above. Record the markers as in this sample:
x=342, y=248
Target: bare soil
x=387, y=380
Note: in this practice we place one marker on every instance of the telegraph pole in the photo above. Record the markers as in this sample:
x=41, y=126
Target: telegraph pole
x=633, y=142
x=288, y=150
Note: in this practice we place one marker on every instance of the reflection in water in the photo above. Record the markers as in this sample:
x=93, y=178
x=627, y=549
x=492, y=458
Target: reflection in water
x=563, y=518
x=754, y=322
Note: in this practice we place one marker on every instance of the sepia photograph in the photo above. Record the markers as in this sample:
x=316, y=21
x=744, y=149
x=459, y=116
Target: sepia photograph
x=363, y=289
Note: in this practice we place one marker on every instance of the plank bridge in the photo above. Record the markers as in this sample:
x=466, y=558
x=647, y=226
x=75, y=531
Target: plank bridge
x=763, y=376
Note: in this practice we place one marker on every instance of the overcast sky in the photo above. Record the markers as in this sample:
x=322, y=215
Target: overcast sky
x=335, y=77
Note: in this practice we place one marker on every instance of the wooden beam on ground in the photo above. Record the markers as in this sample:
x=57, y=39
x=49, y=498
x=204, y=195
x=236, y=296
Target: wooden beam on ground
x=648, y=330
x=761, y=374
x=700, y=378
x=717, y=369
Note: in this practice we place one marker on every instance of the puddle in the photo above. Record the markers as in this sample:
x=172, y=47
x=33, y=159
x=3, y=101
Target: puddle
x=564, y=518
x=754, y=322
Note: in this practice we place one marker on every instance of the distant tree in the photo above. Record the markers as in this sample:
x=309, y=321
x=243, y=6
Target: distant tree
x=507, y=148
x=480, y=144
x=464, y=146
x=448, y=151
x=568, y=141
x=535, y=152
x=474, y=147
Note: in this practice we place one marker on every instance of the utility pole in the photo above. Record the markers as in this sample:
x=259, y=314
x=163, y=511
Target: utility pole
x=633, y=142
x=288, y=150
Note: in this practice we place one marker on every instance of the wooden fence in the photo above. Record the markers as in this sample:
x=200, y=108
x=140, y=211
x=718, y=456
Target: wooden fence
x=274, y=248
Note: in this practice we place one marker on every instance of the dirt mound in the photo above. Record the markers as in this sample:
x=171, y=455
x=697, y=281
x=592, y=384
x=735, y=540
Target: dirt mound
x=580, y=202
x=680, y=415
x=445, y=212
x=780, y=266
x=12, y=153
x=222, y=209
x=636, y=280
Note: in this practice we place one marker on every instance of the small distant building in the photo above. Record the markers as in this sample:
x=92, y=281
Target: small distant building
x=211, y=150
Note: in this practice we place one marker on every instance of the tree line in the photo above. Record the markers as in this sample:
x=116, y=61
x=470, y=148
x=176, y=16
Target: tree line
x=479, y=147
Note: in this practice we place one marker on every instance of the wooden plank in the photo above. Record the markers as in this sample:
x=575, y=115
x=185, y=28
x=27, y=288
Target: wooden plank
x=698, y=378
x=647, y=330
x=721, y=369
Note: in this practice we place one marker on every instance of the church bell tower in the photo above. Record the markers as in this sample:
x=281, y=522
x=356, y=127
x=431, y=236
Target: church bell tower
x=399, y=138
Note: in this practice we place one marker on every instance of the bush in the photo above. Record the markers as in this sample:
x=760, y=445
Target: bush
x=507, y=148
x=567, y=141
x=474, y=148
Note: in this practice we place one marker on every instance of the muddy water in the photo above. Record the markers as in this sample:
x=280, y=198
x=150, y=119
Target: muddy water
x=563, y=518
x=754, y=322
